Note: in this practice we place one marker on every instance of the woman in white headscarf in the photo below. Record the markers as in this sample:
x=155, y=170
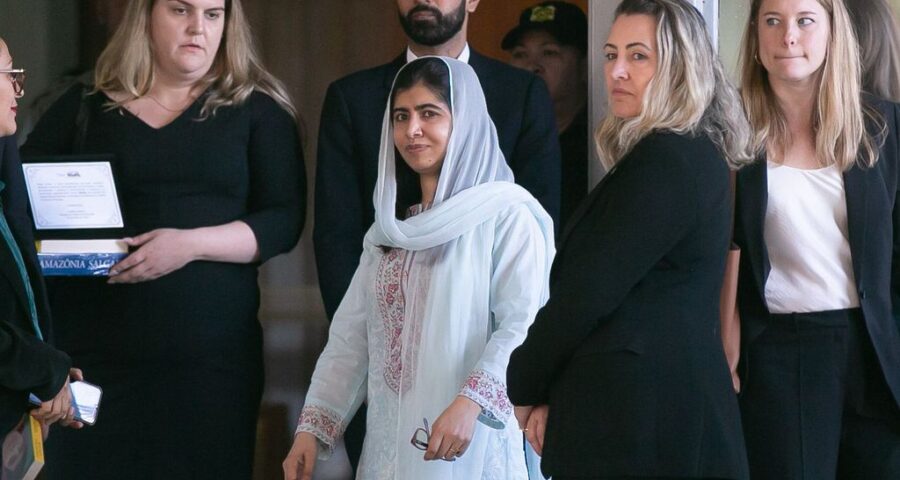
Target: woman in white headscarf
x=451, y=276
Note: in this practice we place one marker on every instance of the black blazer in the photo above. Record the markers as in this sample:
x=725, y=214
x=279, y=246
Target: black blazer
x=627, y=352
x=27, y=365
x=873, y=221
x=350, y=136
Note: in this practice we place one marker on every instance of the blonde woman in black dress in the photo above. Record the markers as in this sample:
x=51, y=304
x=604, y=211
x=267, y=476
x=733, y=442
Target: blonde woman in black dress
x=212, y=184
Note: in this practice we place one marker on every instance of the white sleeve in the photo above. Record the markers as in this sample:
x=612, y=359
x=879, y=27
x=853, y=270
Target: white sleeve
x=338, y=385
x=519, y=287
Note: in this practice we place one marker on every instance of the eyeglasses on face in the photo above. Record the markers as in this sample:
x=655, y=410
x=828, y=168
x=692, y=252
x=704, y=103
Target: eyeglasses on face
x=17, y=77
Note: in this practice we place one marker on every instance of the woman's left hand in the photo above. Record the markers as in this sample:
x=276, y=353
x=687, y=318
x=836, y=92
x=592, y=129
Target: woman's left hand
x=159, y=252
x=453, y=430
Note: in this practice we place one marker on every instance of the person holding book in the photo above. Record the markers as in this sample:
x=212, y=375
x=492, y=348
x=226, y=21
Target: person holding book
x=28, y=364
x=211, y=181
x=452, y=272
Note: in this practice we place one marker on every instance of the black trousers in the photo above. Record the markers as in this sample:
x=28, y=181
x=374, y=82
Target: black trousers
x=815, y=404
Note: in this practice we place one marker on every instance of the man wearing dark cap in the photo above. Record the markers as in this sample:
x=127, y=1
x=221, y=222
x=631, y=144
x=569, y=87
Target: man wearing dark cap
x=551, y=41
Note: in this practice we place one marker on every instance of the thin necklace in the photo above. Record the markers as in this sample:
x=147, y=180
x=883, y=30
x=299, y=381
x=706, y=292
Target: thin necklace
x=173, y=110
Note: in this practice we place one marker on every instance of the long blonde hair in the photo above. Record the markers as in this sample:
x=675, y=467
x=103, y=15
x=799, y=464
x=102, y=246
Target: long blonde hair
x=689, y=93
x=126, y=65
x=839, y=119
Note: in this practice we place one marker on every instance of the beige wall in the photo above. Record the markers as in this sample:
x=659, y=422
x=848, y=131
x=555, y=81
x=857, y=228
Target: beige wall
x=732, y=20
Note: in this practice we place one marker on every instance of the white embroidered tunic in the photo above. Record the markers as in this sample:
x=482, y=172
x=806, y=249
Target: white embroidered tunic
x=439, y=302
x=375, y=342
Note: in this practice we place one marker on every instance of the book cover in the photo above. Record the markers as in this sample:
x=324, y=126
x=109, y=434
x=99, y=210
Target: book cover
x=23, y=451
x=79, y=257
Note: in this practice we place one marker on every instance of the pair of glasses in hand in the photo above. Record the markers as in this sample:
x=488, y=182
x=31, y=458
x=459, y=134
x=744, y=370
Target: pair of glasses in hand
x=422, y=436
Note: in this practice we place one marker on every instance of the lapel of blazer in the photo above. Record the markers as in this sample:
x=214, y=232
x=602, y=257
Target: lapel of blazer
x=856, y=190
x=477, y=62
x=390, y=71
x=753, y=196
x=582, y=209
x=10, y=270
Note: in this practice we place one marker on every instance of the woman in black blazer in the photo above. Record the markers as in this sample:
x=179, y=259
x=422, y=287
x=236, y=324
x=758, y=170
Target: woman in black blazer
x=626, y=358
x=27, y=363
x=817, y=222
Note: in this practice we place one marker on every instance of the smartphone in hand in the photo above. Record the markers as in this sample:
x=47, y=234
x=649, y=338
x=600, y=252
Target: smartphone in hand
x=85, y=399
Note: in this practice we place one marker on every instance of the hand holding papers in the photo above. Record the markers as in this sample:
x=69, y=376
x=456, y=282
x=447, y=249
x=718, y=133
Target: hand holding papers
x=74, y=203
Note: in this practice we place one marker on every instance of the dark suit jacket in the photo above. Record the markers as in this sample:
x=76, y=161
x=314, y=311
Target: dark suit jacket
x=627, y=352
x=27, y=365
x=873, y=221
x=349, y=139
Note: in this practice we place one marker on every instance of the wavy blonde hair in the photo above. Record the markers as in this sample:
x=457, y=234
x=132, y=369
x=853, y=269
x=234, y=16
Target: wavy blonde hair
x=688, y=94
x=839, y=118
x=126, y=65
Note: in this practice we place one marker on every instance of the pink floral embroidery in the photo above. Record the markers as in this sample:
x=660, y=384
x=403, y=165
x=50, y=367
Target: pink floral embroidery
x=322, y=422
x=489, y=392
x=392, y=290
x=392, y=305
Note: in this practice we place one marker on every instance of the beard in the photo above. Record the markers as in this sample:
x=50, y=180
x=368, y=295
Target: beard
x=436, y=31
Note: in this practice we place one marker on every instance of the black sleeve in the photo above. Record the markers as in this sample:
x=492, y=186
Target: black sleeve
x=536, y=158
x=892, y=155
x=27, y=364
x=339, y=189
x=55, y=130
x=277, y=203
x=648, y=210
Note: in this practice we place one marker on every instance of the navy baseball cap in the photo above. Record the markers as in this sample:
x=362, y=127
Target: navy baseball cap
x=565, y=21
